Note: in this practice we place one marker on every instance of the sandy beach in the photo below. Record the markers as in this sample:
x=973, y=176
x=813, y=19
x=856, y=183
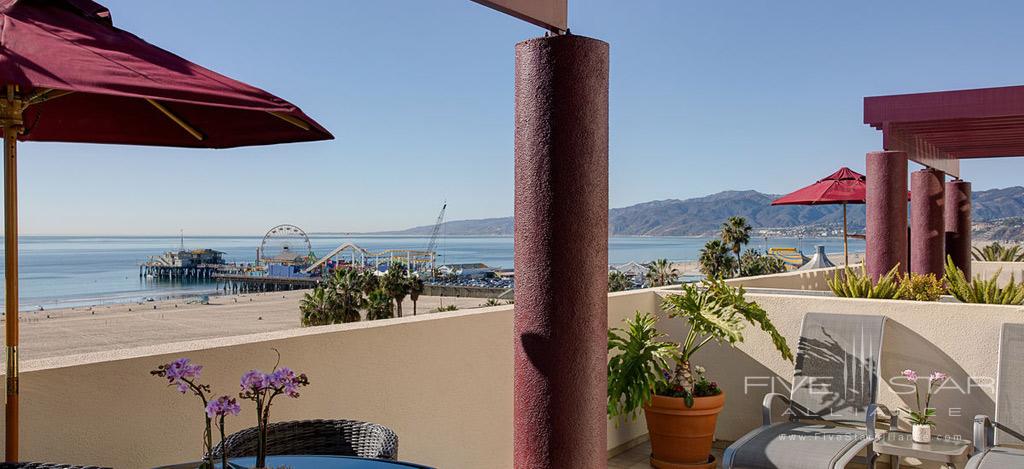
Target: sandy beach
x=70, y=331
x=73, y=331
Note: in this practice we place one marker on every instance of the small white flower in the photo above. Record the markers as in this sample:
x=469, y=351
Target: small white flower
x=700, y=369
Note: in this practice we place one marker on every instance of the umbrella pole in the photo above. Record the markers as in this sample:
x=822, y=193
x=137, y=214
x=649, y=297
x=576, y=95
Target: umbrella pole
x=12, y=125
x=846, y=246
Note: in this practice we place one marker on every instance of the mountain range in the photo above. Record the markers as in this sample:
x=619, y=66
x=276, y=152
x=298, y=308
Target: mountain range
x=702, y=216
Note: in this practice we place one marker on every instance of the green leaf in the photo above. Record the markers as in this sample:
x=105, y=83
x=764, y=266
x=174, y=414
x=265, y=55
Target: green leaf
x=639, y=363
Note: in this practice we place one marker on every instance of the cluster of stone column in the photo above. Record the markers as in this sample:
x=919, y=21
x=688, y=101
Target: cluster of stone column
x=940, y=218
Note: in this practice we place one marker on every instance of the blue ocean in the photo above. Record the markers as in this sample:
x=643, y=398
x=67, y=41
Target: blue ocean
x=66, y=271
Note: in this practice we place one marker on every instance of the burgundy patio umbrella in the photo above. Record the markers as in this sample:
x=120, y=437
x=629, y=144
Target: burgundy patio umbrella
x=67, y=74
x=845, y=186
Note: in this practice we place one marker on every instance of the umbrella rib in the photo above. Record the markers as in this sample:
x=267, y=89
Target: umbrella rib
x=290, y=119
x=45, y=95
x=177, y=120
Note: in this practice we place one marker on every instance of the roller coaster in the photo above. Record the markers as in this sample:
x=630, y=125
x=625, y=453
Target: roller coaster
x=352, y=255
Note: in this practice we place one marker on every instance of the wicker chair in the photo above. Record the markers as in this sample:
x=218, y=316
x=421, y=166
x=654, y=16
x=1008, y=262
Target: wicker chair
x=43, y=465
x=316, y=437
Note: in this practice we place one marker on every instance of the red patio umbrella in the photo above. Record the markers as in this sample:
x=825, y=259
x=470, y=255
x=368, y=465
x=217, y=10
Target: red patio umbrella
x=67, y=74
x=845, y=186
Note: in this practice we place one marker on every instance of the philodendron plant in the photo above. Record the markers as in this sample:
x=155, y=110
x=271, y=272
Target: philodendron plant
x=640, y=365
x=715, y=312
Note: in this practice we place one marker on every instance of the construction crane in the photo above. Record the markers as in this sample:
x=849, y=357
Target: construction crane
x=437, y=229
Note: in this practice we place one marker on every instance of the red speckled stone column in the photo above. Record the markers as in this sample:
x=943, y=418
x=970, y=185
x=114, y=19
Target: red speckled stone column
x=958, y=224
x=561, y=253
x=927, y=228
x=886, y=212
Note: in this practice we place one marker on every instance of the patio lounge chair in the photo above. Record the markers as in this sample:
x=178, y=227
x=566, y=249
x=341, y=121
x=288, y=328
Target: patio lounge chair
x=832, y=403
x=316, y=437
x=991, y=437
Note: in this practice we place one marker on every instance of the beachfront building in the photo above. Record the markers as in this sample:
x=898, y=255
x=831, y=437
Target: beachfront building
x=634, y=270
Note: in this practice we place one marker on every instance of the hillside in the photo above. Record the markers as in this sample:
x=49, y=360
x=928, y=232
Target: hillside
x=704, y=215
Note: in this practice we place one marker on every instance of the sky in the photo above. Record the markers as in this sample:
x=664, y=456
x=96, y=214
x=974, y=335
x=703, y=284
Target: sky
x=704, y=97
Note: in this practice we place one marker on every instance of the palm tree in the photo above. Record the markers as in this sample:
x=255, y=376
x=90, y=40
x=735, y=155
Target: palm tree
x=618, y=281
x=996, y=252
x=415, y=290
x=396, y=283
x=736, y=233
x=346, y=285
x=316, y=307
x=715, y=261
x=379, y=305
x=368, y=281
x=661, y=273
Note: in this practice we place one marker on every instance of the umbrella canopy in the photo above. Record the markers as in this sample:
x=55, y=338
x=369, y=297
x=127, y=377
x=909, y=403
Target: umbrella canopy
x=845, y=186
x=125, y=90
x=68, y=75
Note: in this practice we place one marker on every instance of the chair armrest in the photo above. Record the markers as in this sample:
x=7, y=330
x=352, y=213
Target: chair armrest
x=766, y=406
x=894, y=418
x=984, y=433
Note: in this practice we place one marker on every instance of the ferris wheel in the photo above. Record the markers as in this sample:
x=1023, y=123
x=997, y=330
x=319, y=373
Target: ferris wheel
x=284, y=244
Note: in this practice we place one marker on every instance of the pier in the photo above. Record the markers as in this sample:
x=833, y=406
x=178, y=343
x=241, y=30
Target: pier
x=242, y=283
x=172, y=272
x=196, y=264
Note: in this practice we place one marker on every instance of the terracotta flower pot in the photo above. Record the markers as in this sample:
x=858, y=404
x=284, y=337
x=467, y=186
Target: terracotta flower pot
x=681, y=436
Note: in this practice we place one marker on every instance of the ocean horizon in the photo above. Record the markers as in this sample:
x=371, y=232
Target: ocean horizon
x=59, y=271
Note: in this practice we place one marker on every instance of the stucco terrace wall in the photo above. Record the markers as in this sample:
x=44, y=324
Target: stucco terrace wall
x=817, y=279
x=442, y=381
x=1005, y=270
x=959, y=339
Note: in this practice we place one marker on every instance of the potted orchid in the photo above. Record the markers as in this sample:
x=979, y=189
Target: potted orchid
x=184, y=376
x=256, y=386
x=217, y=410
x=262, y=388
x=921, y=417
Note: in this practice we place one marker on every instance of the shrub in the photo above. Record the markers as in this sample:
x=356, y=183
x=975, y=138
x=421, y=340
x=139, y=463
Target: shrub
x=920, y=287
x=442, y=309
x=848, y=283
x=980, y=290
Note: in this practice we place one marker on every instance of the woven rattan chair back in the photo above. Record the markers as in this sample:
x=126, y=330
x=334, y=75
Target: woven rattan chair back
x=316, y=437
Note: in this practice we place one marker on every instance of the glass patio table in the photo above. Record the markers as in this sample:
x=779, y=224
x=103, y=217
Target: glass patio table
x=310, y=462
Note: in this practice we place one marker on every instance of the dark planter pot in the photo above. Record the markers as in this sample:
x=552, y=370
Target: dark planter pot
x=681, y=436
